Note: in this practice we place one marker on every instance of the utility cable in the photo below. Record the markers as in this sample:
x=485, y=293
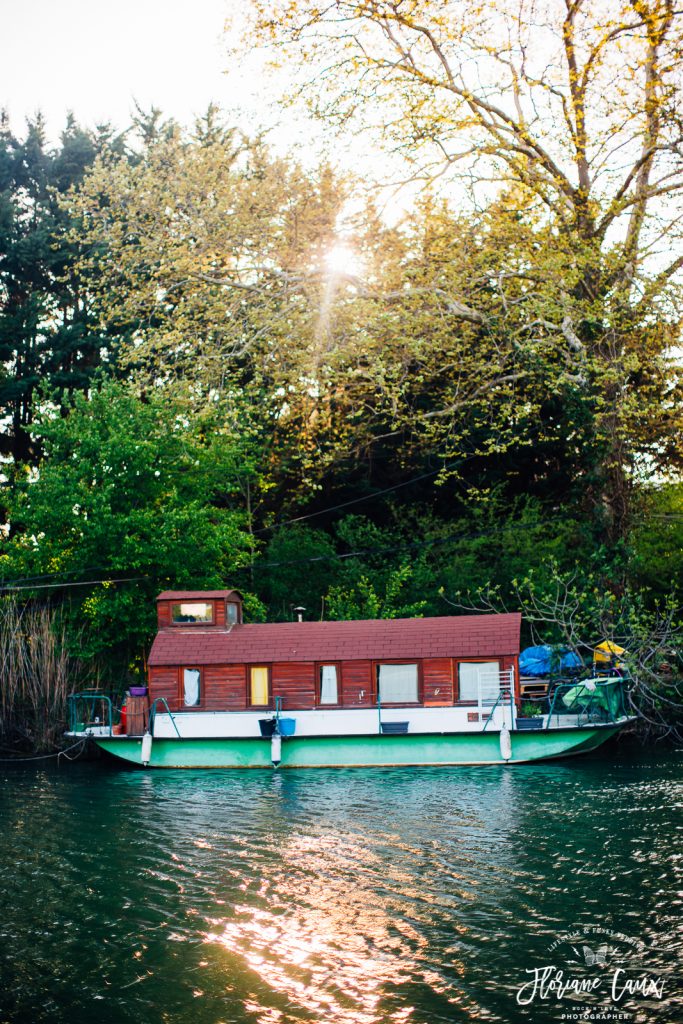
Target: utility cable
x=82, y=583
x=365, y=497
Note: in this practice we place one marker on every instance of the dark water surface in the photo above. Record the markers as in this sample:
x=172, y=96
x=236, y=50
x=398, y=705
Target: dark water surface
x=351, y=897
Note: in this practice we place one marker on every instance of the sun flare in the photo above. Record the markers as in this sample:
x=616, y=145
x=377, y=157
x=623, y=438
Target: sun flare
x=341, y=259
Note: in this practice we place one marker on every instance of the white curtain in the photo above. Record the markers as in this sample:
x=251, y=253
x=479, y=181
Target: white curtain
x=328, y=685
x=191, y=686
x=397, y=684
x=469, y=674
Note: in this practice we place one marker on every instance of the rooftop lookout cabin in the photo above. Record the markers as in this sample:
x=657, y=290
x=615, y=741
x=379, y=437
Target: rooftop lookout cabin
x=225, y=693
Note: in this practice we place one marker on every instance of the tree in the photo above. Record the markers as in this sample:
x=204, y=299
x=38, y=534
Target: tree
x=362, y=600
x=129, y=500
x=571, y=109
x=657, y=541
x=295, y=569
x=198, y=249
x=576, y=610
x=46, y=323
x=207, y=256
x=213, y=258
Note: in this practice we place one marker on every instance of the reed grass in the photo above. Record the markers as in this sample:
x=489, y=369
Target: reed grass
x=36, y=675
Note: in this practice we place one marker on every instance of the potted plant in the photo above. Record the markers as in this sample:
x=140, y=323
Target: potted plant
x=530, y=716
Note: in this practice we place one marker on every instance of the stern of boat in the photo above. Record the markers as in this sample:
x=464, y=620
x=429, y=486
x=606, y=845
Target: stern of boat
x=601, y=702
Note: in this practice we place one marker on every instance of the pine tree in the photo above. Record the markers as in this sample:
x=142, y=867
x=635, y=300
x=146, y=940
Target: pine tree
x=48, y=337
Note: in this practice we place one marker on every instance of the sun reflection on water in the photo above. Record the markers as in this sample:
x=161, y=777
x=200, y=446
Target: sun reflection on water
x=321, y=924
x=334, y=952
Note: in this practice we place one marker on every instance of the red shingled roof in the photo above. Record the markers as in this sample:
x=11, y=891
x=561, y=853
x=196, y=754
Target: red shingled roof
x=197, y=595
x=468, y=636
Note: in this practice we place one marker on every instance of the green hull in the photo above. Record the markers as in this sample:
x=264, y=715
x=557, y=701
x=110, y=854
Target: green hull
x=362, y=751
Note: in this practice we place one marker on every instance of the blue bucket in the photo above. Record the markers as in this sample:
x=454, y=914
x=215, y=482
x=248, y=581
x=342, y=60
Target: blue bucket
x=287, y=726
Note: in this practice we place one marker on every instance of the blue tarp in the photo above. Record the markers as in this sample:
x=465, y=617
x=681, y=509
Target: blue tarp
x=537, y=661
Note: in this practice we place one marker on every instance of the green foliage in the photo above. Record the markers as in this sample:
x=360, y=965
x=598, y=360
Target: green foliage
x=657, y=540
x=296, y=570
x=127, y=490
x=361, y=600
x=375, y=580
x=405, y=567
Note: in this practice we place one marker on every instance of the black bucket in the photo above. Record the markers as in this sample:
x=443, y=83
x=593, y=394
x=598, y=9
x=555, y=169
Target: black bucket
x=267, y=726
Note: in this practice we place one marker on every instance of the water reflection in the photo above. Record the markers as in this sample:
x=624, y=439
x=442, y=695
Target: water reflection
x=336, y=926
x=325, y=944
x=349, y=897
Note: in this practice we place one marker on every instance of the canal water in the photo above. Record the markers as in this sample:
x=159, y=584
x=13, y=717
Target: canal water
x=411, y=896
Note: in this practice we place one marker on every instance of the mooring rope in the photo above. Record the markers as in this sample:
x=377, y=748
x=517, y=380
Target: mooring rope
x=46, y=757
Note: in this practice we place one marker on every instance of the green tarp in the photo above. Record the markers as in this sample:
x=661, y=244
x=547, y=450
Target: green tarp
x=596, y=694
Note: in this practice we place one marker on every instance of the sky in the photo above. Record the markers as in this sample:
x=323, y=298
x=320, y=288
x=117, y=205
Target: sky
x=98, y=58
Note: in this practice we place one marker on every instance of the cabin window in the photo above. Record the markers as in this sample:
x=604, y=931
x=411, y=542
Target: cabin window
x=188, y=612
x=232, y=613
x=259, y=685
x=191, y=687
x=475, y=674
x=397, y=684
x=329, y=684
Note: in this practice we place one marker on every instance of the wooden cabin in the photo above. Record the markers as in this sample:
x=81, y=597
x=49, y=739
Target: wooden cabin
x=205, y=658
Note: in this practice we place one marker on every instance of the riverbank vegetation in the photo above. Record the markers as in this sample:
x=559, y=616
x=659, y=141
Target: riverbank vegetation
x=36, y=675
x=223, y=367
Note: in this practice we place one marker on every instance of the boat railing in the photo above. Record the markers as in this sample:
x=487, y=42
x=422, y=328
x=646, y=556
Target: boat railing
x=90, y=710
x=496, y=689
x=153, y=715
x=589, y=700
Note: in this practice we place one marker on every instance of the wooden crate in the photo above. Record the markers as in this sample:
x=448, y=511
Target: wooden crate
x=137, y=715
x=530, y=688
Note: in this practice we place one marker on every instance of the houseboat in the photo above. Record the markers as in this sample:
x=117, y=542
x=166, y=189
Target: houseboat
x=434, y=691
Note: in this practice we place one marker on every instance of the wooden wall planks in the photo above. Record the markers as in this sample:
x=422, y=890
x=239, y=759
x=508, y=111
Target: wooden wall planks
x=437, y=682
x=295, y=683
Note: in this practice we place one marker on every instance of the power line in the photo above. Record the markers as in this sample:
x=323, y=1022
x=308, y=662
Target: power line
x=83, y=583
x=365, y=497
x=412, y=546
x=59, y=572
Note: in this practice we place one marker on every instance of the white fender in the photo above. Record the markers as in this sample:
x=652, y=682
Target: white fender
x=505, y=743
x=276, y=750
x=146, y=748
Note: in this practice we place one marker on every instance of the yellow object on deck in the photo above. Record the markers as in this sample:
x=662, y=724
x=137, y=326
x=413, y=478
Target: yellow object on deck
x=607, y=653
